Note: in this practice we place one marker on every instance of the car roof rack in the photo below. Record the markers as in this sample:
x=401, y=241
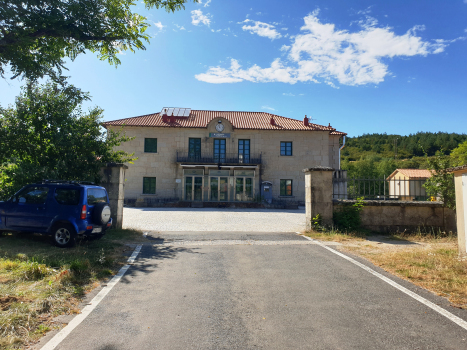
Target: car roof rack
x=71, y=182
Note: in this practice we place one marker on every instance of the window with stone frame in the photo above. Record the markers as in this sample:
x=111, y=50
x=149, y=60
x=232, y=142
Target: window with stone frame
x=286, y=187
x=286, y=148
x=149, y=185
x=150, y=145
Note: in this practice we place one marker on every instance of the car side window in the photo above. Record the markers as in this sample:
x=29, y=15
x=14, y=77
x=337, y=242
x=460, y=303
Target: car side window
x=96, y=195
x=33, y=195
x=67, y=196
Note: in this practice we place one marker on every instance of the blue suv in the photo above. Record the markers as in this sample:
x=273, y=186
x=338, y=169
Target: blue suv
x=65, y=210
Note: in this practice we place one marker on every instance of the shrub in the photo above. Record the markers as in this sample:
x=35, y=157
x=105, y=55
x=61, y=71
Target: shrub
x=348, y=218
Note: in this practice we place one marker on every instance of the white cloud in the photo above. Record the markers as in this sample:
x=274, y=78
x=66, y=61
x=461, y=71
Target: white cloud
x=180, y=27
x=288, y=94
x=322, y=53
x=197, y=17
x=268, y=108
x=285, y=48
x=206, y=4
x=262, y=29
x=365, y=11
x=216, y=31
x=159, y=25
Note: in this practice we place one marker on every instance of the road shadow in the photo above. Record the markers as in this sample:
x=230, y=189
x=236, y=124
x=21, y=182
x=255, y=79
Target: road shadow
x=151, y=255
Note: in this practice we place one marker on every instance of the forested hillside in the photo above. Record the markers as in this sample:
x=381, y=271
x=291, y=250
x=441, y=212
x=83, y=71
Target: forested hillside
x=407, y=146
x=378, y=155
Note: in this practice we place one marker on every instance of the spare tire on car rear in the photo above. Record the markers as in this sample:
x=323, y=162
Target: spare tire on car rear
x=101, y=213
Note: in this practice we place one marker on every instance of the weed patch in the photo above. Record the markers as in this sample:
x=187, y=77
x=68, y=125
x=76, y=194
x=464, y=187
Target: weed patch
x=40, y=281
x=336, y=235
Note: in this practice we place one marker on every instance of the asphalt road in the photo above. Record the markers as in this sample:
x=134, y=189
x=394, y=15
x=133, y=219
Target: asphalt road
x=259, y=291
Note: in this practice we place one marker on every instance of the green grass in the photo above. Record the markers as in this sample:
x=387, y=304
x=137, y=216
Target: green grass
x=39, y=281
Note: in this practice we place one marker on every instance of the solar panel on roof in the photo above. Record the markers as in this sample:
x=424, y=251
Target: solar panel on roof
x=177, y=111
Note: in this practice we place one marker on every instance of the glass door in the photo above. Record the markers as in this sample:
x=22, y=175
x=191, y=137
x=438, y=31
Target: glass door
x=243, y=151
x=214, y=189
x=224, y=189
x=249, y=189
x=189, y=188
x=239, y=189
x=198, y=189
x=219, y=150
x=194, y=149
x=219, y=189
x=194, y=188
x=244, y=189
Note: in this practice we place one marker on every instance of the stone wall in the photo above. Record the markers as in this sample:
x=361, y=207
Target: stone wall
x=310, y=148
x=393, y=216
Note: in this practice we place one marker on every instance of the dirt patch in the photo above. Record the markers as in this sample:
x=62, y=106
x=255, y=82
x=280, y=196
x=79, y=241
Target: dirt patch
x=6, y=301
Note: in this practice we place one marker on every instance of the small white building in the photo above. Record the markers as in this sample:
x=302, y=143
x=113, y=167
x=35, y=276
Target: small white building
x=407, y=184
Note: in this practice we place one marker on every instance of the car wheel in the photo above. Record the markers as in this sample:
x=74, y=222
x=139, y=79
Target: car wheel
x=64, y=236
x=101, y=213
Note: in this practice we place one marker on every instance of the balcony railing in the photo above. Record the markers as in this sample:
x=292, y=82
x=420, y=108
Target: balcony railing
x=212, y=158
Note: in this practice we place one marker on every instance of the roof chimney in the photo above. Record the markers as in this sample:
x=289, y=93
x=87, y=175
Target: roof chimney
x=305, y=121
x=164, y=116
x=273, y=122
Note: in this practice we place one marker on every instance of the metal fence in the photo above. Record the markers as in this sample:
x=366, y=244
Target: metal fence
x=218, y=158
x=380, y=189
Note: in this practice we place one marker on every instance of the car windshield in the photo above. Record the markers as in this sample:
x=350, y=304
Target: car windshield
x=96, y=195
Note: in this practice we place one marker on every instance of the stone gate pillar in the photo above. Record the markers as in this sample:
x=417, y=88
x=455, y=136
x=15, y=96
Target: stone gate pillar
x=318, y=194
x=113, y=177
x=460, y=180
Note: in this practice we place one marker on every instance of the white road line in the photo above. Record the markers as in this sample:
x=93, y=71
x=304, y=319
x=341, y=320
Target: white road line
x=57, y=339
x=459, y=321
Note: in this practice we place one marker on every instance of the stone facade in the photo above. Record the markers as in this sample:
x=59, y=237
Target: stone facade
x=309, y=149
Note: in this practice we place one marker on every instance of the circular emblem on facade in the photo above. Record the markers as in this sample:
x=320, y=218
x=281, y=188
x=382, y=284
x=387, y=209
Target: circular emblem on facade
x=220, y=127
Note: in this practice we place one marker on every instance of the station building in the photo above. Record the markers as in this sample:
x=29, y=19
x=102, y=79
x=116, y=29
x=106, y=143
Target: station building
x=218, y=156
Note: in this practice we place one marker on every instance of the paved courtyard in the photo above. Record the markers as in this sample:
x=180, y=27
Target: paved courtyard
x=209, y=219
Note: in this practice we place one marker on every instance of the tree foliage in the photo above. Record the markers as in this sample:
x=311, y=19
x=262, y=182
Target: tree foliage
x=47, y=135
x=36, y=35
x=441, y=183
x=459, y=155
x=408, y=147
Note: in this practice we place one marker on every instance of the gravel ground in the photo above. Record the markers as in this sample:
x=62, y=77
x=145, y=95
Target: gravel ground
x=218, y=220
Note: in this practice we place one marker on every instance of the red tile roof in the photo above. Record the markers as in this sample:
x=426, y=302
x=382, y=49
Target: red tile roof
x=239, y=120
x=413, y=173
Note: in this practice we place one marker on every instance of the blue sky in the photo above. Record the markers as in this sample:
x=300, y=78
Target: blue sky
x=394, y=66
